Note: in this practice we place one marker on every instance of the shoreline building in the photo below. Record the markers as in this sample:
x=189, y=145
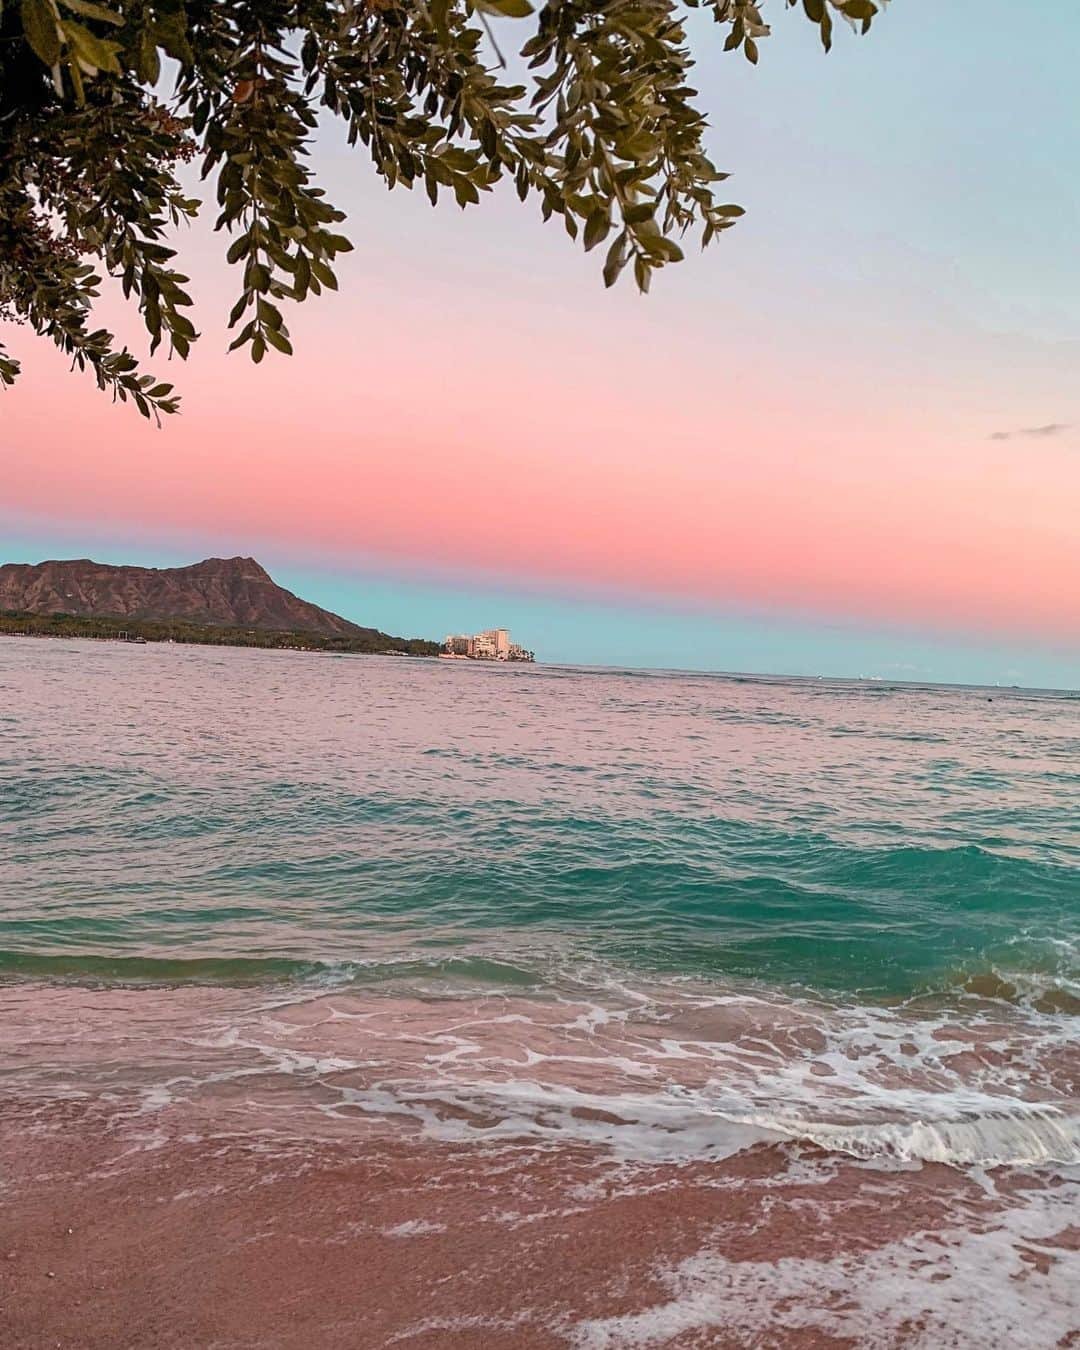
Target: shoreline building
x=493, y=644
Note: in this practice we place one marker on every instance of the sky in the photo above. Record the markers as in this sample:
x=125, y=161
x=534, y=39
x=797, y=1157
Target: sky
x=844, y=440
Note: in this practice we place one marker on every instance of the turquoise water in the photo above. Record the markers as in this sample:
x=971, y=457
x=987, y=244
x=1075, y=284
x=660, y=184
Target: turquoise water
x=172, y=814
x=805, y=948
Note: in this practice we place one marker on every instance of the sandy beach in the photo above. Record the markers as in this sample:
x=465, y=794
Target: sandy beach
x=218, y=1190
x=109, y=1242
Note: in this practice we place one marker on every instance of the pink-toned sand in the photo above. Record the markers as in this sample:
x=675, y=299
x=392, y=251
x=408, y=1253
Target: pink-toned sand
x=226, y=1170
x=341, y=1246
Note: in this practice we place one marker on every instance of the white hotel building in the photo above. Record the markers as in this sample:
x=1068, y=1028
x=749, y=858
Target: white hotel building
x=493, y=644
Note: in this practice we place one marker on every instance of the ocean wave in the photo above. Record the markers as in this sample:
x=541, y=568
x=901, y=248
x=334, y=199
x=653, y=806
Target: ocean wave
x=1013, y=1137
x=700, y=897
x=660, y=1127
x=468, y=1051
x=95, y=969
x=1040, y=990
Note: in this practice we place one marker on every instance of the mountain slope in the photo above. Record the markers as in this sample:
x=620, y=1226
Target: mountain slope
x=226, y=591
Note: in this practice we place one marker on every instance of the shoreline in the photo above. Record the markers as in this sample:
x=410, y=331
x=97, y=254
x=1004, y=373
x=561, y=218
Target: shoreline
x=205, y=1166
x=183, y=633
x=351, y=1006
x=160, y=1234
x=767, y=679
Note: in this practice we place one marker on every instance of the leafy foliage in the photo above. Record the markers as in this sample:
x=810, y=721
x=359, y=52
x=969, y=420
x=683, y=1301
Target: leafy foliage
x=16, y=623
x=606, y=135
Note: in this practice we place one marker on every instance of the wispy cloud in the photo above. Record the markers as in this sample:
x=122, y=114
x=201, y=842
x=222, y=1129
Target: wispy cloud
x=1031, y=433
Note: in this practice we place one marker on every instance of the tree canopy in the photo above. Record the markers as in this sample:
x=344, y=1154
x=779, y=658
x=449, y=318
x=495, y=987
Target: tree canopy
x=103, y=101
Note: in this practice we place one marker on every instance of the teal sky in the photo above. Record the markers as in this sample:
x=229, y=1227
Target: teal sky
x=606, y=630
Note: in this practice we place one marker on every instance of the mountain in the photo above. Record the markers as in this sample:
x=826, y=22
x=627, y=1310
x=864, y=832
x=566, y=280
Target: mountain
x=235, y=592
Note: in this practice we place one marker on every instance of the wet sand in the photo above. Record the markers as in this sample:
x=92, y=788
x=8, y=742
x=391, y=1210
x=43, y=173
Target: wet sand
x=112, y=1239
x=235, y=1170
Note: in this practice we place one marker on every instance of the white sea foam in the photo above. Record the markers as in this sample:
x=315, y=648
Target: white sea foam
x=412, y=1228
x=661, y=1127
x=666, y=1072
x=1003, y=1137
x=681, y=1075
x=1003, y=1282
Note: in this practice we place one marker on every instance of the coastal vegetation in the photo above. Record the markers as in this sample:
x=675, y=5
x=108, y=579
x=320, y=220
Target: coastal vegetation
x=604, y=133
x=16, y=623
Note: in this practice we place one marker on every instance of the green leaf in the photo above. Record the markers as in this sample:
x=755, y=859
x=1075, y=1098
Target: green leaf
x=245, y=335
x=615, y=260
x=637, y=215
x=596, y=229
x=642, y=275
x=41, y=29
x=322, y=273
x=92, y=11
x=439, y=10
x=508, y=9
x=148, y=66
x=277, y=339
x=640, y=146
x=92, y=51
x=171, y=32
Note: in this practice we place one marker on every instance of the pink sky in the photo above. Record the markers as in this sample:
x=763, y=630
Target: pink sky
x=704, y=485
x=799, y=420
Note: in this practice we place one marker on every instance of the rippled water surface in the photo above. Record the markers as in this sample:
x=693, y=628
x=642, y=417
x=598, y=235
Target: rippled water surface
x=810, y=938
x=844, y=912
x=217, y=813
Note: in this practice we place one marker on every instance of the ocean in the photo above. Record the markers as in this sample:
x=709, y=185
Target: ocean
x=789, y=969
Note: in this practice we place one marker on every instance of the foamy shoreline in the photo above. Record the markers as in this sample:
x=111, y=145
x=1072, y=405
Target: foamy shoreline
x=283, y=1168
x=159, y=1232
